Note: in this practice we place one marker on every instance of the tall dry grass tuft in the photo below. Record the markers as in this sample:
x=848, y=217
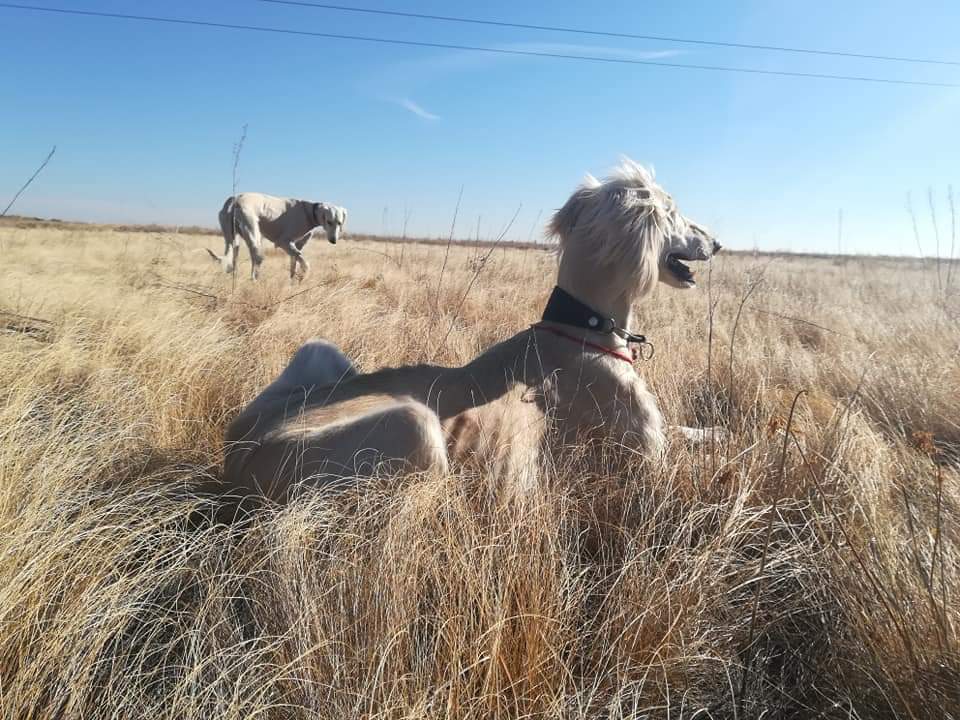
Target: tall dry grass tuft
x=809, y=573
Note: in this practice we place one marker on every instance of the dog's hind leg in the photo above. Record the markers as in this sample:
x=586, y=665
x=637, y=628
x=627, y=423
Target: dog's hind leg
x=315, y=364
x=698, y=436
x=398, y=437
x=249, y=229
x=231, y=244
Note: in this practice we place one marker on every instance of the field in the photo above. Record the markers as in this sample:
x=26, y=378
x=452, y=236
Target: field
x=809, y=566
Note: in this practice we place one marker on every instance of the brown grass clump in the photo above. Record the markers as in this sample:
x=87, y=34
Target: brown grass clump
x=807, y=567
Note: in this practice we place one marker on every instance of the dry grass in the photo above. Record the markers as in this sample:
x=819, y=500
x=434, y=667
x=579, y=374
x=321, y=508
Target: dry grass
x=732, y=582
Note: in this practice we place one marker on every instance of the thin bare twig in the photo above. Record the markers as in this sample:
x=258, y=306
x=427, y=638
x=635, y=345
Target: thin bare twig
x=446, y=254
x=193, y=290
x=533, y=227
x=388, y=256
x=27, y=183
x=297, y=294
x=403, y=238
x=188, y=289
x=937, y=543
x=710, y=389
x=237, y=149
x=834, y=437
x=751, y=287
x=33, y=327
x=885, y=598
x=481, y=263
x=29, y=318
x=840, y=232
x=763, y=556
x=953, y=233
x=927, y=579
x=936, y=235
x=916, y=230
x=800, y=320
x=383, y=221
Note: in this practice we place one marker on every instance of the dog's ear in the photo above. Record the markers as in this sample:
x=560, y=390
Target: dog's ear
x=565, y=219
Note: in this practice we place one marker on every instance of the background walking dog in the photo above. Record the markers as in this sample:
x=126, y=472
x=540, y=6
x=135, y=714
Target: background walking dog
x=286, y=222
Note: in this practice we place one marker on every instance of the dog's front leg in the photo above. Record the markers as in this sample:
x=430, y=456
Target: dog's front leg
x=295, y=251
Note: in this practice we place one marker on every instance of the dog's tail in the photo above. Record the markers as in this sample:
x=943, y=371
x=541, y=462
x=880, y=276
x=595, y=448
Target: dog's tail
x=228, y=226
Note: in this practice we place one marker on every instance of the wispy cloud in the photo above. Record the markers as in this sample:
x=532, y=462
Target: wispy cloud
x=415, y=73
x=408, y=104
x=614, y=53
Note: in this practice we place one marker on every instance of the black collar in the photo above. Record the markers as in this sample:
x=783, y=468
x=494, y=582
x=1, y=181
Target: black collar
x=564, y=308
x=315, y=221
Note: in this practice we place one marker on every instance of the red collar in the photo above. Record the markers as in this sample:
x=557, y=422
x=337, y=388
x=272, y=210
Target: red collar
x=581, y=341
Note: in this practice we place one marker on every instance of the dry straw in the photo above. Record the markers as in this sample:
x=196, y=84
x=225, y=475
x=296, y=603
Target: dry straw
x=808, y=569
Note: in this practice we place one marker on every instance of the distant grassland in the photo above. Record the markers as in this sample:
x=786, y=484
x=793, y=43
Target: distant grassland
x=26, y=223
x=815, y=574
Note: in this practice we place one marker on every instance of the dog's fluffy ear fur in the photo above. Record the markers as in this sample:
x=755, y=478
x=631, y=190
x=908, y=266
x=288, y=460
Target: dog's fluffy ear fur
x=565, y=219
x=332, y=213
x=617, y=226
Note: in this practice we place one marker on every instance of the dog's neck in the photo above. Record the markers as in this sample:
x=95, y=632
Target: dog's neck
x=604, y=290
x=316, y=214
x=599, y=321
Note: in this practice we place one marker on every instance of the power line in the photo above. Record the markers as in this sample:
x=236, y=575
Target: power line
x=471, y=48
x=611, y=34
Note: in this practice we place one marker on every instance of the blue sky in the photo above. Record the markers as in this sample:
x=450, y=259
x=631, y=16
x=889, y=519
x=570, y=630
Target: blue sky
x=144, y=116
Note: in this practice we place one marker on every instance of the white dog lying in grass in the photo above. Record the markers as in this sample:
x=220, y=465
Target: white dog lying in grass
x=569, y=378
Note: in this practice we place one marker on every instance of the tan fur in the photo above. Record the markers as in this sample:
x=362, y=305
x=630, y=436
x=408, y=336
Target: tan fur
x=321, y=422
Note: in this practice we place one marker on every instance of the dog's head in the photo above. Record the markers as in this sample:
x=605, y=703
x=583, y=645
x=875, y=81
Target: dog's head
x=691, y=242
x=628, y=230
x=331, y=218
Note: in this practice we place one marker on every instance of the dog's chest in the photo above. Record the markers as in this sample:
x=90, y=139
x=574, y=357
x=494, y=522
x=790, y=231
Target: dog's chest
x=601, y=401
x=501, y=435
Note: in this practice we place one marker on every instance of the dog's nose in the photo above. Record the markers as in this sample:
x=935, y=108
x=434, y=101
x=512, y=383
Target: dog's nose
x=717, y=247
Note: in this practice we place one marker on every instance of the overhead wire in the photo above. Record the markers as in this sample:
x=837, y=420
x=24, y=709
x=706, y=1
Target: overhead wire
x=470, y=48
x=610, y=33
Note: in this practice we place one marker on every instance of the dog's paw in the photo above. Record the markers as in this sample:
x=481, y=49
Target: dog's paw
x=698, y=436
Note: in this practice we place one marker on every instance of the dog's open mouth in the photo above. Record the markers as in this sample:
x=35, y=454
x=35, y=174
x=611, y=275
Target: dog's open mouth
x=680, y=270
